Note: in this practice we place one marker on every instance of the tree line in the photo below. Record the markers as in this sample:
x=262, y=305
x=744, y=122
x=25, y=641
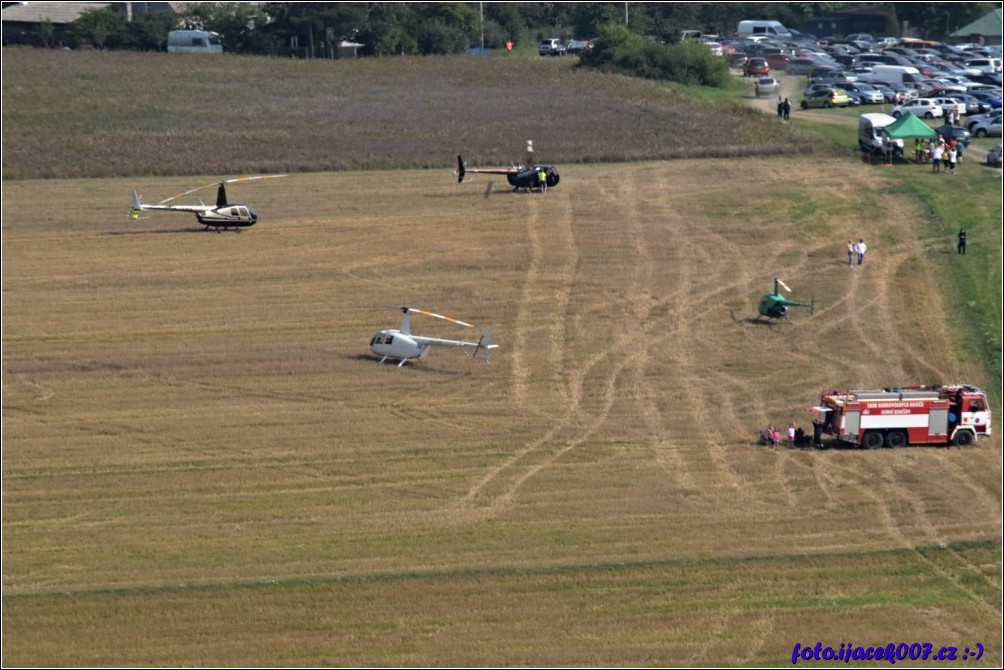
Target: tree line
x=416, y=28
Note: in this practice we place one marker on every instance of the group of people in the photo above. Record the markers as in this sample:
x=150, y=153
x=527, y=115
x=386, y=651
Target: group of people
x=796, y=437
x=941, y=153
x=856, y=250
x=783, y=108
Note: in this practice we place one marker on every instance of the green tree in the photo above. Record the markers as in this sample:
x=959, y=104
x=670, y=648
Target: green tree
x=385, y=30
x=100, y=28
x=148, y=31
x=507, y=17
x=617, y=49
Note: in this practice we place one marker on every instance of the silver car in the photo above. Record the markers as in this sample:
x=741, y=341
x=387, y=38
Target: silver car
x=866, y=93
x=767, y=86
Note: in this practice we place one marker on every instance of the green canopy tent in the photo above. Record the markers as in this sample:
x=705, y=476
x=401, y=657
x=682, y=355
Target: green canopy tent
x=908, y=126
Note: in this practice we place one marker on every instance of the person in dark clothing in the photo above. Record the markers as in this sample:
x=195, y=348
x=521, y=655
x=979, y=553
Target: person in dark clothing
x=963, y=236
x=787, y=109
x=817, y=433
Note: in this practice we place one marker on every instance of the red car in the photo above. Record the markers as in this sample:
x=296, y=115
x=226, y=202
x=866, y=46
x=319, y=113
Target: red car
x=756, y=67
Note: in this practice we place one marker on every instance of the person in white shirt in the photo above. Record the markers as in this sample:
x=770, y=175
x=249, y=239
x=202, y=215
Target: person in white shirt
x=860, y=248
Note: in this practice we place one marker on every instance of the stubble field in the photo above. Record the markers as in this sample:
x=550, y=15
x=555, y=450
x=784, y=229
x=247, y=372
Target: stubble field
x=204, y=466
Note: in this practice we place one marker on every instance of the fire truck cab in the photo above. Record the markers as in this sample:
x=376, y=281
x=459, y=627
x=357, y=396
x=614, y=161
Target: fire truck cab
x=896, y=417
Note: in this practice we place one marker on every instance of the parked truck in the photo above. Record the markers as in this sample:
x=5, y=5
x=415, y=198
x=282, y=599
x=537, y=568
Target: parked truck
x=896, y=417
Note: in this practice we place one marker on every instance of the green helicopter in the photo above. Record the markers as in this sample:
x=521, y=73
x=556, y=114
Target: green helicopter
x=775, y=306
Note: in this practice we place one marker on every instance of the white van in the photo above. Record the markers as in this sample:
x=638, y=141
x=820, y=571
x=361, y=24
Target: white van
x=194, y=42
x=872, y=136
x=893, y=74
x=764, y=28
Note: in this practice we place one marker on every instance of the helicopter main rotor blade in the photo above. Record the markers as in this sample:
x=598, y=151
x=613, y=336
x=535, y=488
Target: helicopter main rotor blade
x=253, y=177
x=181, y=195
x=439, y=316
x=223, y=181
x=784, y=286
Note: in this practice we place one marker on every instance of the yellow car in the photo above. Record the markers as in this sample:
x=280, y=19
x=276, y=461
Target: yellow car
x=833, y=97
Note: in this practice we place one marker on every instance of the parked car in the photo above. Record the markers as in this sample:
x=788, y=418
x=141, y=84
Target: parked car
x=989, y=116
x=958, y=133
x=777, y=61
x=988, y=127
x=920, y=107
x=739, y=60
x=834, y=97
x=866, y=94
x=994, y=156
x=578, y=46
x=756, y=67
x=973, y=106
x=551, y=47
x=987, y=98
x=767, y=86
x=827, y=75
x=982, y=66
x=948, y=105
x=797, y=66
x=714, y=46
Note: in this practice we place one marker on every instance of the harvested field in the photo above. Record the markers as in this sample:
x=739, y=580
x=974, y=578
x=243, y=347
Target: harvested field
x=202, y=465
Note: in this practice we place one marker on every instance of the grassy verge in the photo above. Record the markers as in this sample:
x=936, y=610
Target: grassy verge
x=970, y=199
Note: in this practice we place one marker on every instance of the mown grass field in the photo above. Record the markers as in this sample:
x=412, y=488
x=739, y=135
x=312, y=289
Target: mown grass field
x=202, y=464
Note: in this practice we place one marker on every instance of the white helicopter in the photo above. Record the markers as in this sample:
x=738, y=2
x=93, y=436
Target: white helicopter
x=223, y=215
x=404, y=345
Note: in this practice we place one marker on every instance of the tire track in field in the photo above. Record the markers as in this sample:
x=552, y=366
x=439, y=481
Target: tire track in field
x=578, y=421
x=556, y=268
x=902, y=536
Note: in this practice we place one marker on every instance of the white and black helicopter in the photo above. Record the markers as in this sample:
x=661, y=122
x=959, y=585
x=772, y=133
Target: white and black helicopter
x=404, y=345
x=222, y=215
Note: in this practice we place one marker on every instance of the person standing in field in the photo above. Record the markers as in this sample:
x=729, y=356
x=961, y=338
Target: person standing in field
x=542, y=178
x=963, y=237
x=850, y=253
x=508, y=47
x=860, y=248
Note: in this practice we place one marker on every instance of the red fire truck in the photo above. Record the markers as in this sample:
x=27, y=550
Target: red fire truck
x=895, y=417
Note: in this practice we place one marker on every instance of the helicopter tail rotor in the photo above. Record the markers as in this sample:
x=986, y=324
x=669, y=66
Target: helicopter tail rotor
x=137, y=206
x=484, y=345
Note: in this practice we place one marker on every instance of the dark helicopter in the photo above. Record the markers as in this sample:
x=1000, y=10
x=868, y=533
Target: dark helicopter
x=519, y=176
x=775, y=306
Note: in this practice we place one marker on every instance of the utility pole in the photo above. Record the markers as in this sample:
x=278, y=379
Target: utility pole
x=482, y=6
x=625, y=14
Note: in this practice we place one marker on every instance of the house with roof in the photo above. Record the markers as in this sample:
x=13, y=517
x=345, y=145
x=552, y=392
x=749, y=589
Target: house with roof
x=47, y=23
x=985, y=30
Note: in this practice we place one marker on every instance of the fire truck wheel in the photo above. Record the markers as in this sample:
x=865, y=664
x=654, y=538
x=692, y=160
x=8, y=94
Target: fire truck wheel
x=872, y=440
x=895, y=439
x=963, y=438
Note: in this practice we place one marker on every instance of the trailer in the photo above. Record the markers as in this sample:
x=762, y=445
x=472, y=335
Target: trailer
x=896, y=417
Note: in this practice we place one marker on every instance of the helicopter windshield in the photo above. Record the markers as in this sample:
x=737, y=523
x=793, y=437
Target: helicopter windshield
x=252, y=213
